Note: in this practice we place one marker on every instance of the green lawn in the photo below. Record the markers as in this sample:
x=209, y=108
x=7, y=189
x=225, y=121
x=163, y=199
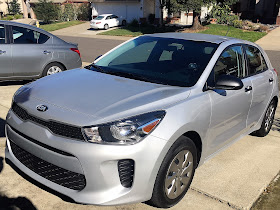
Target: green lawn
x=212, y=29
x=233, y=32
x=137, y=31
x=60, y=25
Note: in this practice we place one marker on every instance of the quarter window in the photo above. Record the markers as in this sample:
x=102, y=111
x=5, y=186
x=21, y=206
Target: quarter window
x=256, y=61
x=230, y=63
x=2, y=34
x=27, y=36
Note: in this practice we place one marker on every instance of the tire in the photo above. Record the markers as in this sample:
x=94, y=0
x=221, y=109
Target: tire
x=52, y=68
x=124, y=23
x=106, y=26
x=167, y=181
x=267, y=120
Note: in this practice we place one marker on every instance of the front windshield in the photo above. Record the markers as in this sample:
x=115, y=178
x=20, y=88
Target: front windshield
x=175, y=62
x=99, y=18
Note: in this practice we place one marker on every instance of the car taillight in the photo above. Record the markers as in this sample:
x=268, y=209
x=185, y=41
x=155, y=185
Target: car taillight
x=275, y=71
x=76, y=50
x=97, y=22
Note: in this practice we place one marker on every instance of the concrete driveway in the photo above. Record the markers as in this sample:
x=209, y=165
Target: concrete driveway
x=233, y=179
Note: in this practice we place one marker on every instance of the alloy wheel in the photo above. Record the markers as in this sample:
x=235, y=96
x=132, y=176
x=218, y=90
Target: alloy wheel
x=269, y=115
x=54, y=70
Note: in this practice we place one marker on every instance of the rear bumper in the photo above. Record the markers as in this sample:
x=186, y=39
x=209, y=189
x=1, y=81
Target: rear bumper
x=97, y=163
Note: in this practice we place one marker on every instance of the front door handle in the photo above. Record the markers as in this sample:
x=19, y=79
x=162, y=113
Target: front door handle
x=270, y=80
x=2, y=52
x=46, y=52
x=248, y=88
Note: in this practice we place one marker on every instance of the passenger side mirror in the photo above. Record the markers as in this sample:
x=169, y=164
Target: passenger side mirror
x=228, y=82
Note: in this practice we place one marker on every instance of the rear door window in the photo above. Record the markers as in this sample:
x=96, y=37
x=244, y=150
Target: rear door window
x=28, y=36
x=256, y=61
x=2, y=34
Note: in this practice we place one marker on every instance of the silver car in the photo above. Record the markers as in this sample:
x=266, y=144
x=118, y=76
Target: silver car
x=27, y=52
x=134, y=125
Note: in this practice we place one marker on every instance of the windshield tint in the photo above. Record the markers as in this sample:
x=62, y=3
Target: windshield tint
x=99, y=18
x=166, y=61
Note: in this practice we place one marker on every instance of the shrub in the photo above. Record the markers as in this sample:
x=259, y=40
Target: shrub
x=134, y=23
x=18, y=16
x=263, y=28
x=237, y=23
x=69, y=13
x=46, y=11
x=231, y=19
x=9, y=17
x=151, y=18
x=84, y=12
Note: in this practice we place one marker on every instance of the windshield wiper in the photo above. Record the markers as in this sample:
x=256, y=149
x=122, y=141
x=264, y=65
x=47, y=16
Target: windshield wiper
x=96, y=67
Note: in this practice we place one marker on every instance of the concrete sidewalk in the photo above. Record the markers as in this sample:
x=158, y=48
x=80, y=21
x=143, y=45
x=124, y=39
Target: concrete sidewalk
x=271, y=41
x=233, y=179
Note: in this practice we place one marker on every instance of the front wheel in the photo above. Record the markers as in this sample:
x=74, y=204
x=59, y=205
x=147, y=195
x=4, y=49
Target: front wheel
x=106, y=26
x=124, y=23
x=267, y=120
x=175, y=174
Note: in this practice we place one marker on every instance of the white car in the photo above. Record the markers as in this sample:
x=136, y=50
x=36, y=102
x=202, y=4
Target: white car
x=106, y=21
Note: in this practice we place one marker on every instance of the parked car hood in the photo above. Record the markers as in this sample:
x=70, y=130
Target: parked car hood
x=101, y=96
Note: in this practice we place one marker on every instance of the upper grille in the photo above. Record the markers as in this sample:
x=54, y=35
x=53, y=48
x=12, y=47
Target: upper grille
x=61, y=129
x=61, y=176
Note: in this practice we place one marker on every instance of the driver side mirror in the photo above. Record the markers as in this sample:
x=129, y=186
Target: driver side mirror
x=228, y=82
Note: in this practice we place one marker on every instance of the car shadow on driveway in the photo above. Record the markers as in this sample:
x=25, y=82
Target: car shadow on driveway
x=20, y=202
x=8, y=83
x=2, y=127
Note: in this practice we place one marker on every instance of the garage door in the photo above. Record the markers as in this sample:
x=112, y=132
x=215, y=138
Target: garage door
x=126, y=11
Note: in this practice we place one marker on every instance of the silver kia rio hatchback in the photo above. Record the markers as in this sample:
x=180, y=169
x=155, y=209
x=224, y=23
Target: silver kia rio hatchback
x=134, y=125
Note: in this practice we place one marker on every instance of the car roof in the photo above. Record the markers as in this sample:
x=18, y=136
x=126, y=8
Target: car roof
x=105, y=14
x=12, y=23
x=196, y=37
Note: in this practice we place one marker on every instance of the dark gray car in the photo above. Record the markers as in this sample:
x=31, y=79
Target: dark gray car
x=28, y=52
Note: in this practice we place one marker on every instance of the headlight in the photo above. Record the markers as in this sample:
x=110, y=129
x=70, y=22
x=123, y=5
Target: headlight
x=127, y=131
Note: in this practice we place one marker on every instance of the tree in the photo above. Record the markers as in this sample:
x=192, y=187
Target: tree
x=196, y=5
x=13, y=7
x=46, y=11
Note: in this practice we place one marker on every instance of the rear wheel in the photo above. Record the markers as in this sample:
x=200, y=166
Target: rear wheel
x=53, y=68
x=267, y=120
x=106, y=26
x=175, y=174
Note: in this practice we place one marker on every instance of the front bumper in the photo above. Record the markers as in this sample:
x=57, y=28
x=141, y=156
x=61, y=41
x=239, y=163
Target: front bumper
x=98, y=163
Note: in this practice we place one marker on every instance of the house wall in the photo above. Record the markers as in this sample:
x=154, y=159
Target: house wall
x=4, y=7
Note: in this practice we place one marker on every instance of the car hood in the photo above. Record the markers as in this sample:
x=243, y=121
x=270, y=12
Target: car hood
x=97, y=96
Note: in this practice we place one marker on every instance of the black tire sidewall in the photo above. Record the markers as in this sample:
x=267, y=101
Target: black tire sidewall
x=159, y=198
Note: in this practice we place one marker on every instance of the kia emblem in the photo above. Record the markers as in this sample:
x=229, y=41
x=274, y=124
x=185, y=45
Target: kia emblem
x=42, y=108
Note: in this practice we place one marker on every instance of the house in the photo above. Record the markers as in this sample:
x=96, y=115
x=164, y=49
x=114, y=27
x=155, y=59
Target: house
x=265, y=11
x=127, y=9
x=4, y=7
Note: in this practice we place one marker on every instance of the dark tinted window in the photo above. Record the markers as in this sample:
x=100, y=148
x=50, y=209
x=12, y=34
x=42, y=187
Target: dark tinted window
x=27, y=36
x=168, y=61
x=2, y=34
x=108, y=17
x=256, y=62
x=230, y=63
x=114, y=16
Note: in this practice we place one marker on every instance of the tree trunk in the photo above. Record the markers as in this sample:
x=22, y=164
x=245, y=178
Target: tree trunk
x=196, y=24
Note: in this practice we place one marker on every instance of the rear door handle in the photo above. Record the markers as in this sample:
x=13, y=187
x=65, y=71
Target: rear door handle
x=248, y=88
x=46, y=52
x=270, y=80
x=2, y=52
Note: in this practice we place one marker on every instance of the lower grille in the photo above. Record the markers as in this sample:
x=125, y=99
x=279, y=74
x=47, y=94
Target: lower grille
x=126, y=172
x=48, y=170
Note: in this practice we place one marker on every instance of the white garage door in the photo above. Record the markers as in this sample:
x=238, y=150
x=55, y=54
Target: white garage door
x=126, y=11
